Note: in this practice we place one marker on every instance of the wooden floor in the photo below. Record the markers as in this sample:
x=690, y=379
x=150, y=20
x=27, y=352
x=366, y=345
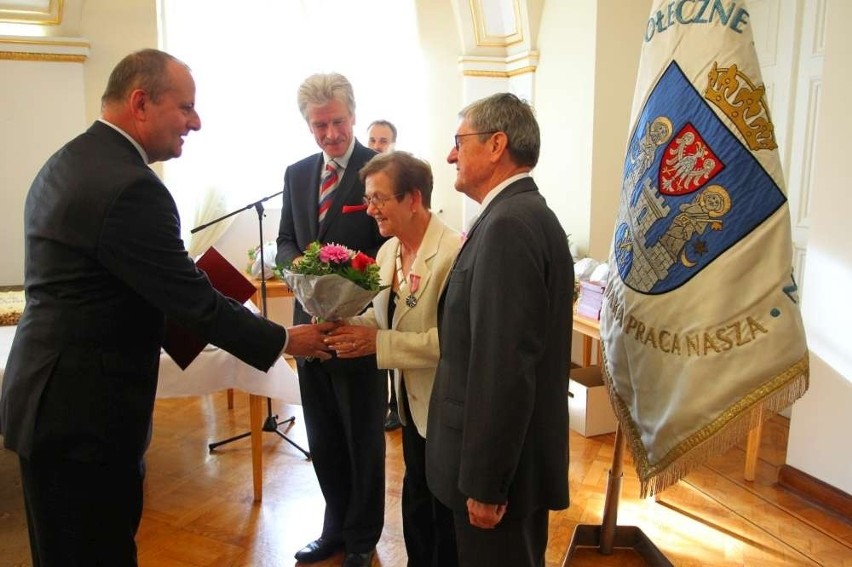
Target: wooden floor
x=199, y=509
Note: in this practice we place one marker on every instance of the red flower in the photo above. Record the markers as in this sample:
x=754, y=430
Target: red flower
x=361, y=261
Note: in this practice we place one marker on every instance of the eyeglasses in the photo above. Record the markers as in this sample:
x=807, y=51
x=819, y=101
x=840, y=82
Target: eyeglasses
x=379, y=201
x=457, y=136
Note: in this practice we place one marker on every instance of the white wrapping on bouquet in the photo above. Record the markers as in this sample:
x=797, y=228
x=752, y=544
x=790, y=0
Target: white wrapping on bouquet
x=329, y=297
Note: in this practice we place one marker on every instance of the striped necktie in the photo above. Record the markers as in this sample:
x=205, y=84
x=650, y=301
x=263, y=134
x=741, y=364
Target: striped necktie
x=328, y=184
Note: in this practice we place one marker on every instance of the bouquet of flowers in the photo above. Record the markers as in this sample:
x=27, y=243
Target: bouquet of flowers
x=331, y=281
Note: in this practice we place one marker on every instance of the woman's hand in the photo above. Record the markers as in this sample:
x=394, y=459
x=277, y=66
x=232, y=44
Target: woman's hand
x=352, y=341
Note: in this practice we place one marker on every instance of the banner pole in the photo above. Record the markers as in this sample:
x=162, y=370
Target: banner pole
x=609, y=536
x=613, y=495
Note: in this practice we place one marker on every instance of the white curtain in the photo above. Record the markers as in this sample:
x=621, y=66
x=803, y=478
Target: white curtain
x=211, y=206
x=248, y=64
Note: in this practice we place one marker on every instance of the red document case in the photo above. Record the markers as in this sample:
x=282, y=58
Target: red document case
x=184, y=345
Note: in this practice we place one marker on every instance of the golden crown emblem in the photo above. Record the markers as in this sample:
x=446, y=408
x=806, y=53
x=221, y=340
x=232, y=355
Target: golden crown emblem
x=743, y=103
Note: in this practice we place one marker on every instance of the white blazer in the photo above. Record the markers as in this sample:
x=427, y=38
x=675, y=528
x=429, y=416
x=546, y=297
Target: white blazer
x=409, y=345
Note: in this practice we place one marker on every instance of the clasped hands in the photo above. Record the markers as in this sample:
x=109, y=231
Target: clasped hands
x=308, y=340
x=352, y=341
x=319, y=340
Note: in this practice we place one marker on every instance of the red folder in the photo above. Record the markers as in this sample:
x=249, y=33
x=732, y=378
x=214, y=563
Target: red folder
x=184, y=345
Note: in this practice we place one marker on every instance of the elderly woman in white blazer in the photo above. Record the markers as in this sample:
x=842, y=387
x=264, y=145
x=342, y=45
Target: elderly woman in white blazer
x=401, y=328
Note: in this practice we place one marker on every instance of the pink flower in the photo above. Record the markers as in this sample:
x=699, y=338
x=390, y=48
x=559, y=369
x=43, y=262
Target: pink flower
x=335, y=254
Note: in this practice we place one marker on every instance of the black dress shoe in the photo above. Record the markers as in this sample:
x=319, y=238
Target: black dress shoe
x=359, y=559
x=318, y=550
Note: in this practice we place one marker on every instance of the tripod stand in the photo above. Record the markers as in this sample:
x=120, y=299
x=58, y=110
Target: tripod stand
x=271, y=422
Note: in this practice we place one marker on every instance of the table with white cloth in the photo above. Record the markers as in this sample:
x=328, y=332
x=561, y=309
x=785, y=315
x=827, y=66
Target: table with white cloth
x=215, y=370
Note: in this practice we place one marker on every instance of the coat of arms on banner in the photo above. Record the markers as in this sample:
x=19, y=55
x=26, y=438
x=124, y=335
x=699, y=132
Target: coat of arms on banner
x=693, y=190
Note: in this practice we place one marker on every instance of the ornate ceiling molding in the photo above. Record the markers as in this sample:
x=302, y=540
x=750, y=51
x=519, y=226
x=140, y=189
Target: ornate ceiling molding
x=42, y=12
x=54, y=57
x=501, y=67
x=54, y=49
x=497, y=23
x=497, y=38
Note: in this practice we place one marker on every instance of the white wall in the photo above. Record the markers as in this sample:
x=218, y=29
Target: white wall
x=114, y=29
x=620, y=26
x=442, y=45
x=821, y=421
x=41, y=107
x=565, y=106
x=584, y=91
x=45, y=103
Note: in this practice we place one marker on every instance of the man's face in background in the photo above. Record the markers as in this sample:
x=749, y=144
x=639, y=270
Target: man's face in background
x=380, y=138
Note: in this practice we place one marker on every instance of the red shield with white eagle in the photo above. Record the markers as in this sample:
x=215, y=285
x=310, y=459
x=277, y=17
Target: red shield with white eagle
x=688, y=163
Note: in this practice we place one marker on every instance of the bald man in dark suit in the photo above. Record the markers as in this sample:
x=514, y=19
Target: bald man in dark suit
x=105, y=265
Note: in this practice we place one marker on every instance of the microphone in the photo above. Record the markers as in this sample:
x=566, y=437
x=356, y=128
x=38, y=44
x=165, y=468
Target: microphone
x=353, y=209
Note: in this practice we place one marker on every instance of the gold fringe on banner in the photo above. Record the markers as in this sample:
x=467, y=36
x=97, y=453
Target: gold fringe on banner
x=720, y=435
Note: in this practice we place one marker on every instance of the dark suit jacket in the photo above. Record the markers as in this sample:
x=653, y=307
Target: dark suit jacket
x=344, y=400
x=105, y=264
x=498, y=416
x=299, y=226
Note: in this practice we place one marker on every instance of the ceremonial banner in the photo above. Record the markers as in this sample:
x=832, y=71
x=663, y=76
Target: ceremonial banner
x=700, y=324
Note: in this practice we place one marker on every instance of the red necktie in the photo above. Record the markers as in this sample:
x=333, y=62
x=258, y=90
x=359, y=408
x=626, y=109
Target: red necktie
x=328, y=184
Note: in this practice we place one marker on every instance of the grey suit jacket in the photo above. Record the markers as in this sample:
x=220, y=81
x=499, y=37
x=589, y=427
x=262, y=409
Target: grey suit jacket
x=105, y=264
x=409, y=343
x=498, y=417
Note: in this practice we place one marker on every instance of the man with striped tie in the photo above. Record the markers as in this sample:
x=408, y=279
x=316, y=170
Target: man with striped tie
x=343, y=400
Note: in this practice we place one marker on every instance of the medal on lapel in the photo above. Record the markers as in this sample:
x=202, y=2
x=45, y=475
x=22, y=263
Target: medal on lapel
x=413, y=284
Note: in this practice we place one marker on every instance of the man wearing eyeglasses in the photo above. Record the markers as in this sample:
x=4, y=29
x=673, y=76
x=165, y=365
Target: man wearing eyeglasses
x=343, y=401
x=497, y=448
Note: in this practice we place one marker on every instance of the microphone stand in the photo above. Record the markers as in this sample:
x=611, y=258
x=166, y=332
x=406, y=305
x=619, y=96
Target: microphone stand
x=271, y=423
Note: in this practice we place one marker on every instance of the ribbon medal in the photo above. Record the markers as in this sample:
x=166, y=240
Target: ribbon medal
x=413, y=285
